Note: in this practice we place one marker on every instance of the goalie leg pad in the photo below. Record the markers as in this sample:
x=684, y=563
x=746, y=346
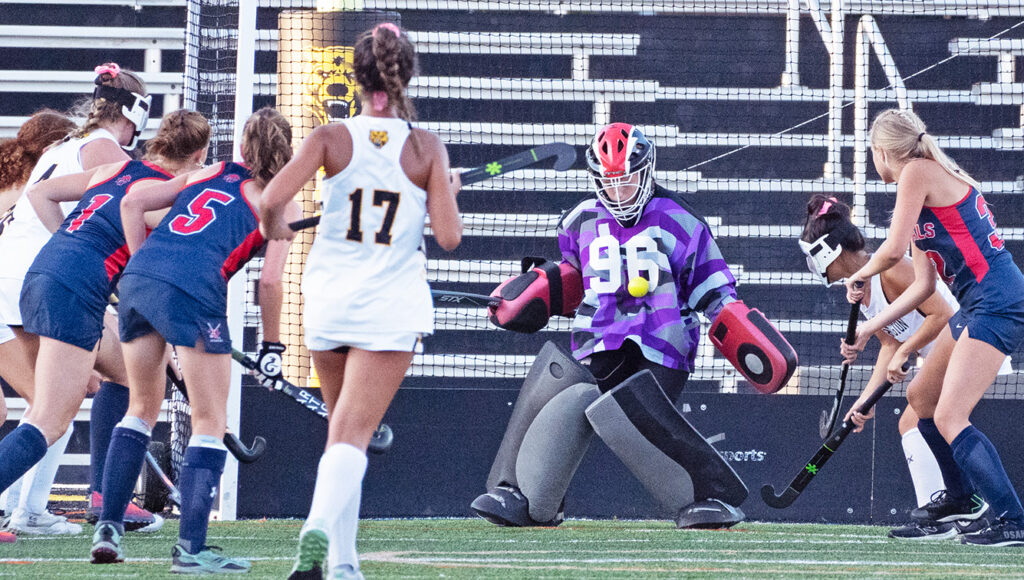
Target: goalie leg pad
x=754, y=346
x=669, y=457
x=552, y=450
x=530, y=299
x=553, y=371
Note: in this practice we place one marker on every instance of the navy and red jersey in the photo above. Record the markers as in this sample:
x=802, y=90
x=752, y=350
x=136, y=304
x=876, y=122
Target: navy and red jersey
x=969, y=256
x=210, y=232
x=88, y=252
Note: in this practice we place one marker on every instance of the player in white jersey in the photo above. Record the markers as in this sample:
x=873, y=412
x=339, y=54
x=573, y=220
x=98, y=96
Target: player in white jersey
x=117, y=114
x=366, y=295
x=835, y=249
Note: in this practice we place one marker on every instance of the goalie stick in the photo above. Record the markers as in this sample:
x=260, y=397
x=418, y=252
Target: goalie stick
x=814, y=466
x=382, y=438
x=564, y=154
x=453, y=297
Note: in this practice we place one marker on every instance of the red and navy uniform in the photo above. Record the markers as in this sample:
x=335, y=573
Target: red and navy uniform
x=969, y=256
x=84, y=259
x=178, y=280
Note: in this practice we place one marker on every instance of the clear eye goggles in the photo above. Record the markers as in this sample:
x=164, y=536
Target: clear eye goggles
x=822, y=252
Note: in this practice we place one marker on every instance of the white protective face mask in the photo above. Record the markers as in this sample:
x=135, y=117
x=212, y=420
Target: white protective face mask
x=822, y=252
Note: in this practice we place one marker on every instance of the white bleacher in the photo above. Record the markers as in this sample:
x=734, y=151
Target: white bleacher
x=1006, y=90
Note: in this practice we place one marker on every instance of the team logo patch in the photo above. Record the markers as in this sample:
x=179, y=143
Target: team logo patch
x=379, y=138
x=123, y=179
x=213, y=333
x=232, y=178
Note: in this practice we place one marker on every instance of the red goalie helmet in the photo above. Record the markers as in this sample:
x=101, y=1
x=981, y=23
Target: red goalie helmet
x=621, y=162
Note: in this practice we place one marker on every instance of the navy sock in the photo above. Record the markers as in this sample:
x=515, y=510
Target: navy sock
x=109, y=405
x=980, y=460
x=200, y=475
x=124, y=463
x=956, y=484
x=19, y=451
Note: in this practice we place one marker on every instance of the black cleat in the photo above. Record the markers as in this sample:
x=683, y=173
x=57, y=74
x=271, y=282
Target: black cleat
x=1000, y=533
x=945, y=509
x=924, y=531
x=507, y=506
x=709, y=514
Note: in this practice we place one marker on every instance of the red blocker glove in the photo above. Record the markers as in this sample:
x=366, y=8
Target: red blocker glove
x=754, y=346
x=531, y=298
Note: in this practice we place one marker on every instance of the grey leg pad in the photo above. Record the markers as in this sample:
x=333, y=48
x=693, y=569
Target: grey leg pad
x=552, y=449
x=553, y=371
x=669, y=457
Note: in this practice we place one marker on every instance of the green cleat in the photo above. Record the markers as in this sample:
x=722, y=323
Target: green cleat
x=106, y=543
x=207, y=561
x=312, y=553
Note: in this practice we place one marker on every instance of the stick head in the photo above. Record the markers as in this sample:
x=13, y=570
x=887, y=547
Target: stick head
x=778, y=502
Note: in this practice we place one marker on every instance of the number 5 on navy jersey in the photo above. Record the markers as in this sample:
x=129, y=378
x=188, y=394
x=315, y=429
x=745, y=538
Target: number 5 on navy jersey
x=201, y=212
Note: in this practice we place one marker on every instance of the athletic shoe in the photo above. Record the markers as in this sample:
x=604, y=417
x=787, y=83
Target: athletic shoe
x=709, y=514
x=345, y=572
x=943, y=509
x=136, y=519
x=311, y=556
x=207, y=561
x=106, y=543
x=7, y=538
x=972, y=527
x=507, y=506
x=1000, y=533
x=44, y=524
x=924, y=531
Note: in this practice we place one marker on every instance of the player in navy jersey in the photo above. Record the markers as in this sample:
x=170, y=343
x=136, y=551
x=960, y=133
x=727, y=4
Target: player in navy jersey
x=67, y=287
x=942, y=211
x=174, y=291
x=115, y=116
x=649, y=266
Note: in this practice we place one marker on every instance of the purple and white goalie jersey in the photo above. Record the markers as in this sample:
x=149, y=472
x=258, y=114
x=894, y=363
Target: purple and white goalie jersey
x=670, y=247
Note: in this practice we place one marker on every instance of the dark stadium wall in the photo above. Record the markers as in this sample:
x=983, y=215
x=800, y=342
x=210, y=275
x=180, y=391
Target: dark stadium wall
x=445, y=441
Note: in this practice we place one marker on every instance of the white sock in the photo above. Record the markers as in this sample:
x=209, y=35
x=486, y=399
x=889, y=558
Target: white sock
x=336, y=499
x=40, y=478
x=11, y=496
x=924, y=469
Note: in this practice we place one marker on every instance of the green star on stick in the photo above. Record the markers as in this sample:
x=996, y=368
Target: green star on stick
x=812, y=468
x=493, y=168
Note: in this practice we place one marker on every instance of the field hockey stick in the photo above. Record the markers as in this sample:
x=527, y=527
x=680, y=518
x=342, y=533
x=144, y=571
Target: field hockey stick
x=828, y=418
x=173, y=492
x=814, y=466
x=453, y=297
x=564, y=154
x=239, y=450
x=382, y=437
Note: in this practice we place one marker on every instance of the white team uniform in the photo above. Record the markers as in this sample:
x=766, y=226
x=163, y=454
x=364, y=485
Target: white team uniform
x=25, y=235
x=365, y=283
x=903, y=328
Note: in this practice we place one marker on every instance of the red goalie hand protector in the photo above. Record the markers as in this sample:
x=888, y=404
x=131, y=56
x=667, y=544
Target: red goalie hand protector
x=754, y=346
x=529, y=299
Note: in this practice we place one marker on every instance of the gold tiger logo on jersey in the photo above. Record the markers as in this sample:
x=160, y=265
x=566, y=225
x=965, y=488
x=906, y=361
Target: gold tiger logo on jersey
x=379, y=138
x=332, y=86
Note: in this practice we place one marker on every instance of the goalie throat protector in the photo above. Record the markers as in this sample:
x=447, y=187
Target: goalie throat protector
x=134, y=107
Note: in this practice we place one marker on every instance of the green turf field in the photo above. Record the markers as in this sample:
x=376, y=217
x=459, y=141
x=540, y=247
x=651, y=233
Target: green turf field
x=576, y=549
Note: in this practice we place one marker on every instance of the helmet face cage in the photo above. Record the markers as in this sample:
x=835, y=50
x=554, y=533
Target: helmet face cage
x=134, y=107
x=621, y=159
x=820, y=254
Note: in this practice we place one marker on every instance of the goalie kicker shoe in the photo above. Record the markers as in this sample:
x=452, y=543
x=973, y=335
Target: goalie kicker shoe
x=924, y=531
x=136, y=519
x=1001, y=533
x=943, y=508
x=507, y=506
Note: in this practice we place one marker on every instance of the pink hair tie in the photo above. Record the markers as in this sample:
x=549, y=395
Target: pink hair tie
x=380, y=101
x=389, y=26
x=110, y=67
x=826, y=205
